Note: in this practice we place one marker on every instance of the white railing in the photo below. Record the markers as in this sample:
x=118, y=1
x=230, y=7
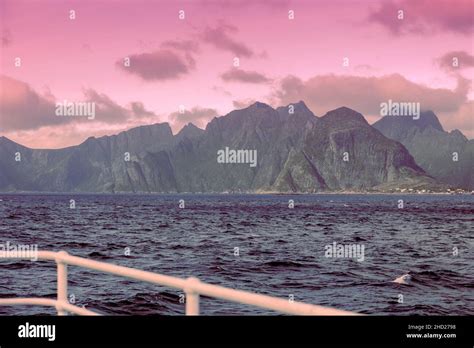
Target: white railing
x=192, y=288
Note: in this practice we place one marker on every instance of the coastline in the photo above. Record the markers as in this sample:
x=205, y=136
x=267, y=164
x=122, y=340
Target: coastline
x=260, y=193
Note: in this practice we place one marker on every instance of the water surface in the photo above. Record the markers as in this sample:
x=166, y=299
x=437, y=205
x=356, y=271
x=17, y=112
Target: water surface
x=281, y=250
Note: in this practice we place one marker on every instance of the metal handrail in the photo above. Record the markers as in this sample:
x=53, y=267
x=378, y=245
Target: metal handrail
x=192, y=288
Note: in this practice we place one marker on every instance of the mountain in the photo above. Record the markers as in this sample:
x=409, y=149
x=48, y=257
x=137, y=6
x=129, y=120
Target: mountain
x=295, y=151
x=433, y=148
x=96, y=165
x=189, y=131
x=372, y=159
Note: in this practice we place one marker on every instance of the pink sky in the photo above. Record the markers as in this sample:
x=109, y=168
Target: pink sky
x=189, y=62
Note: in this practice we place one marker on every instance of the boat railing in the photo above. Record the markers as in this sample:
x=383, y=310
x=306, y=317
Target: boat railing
x=192, y=287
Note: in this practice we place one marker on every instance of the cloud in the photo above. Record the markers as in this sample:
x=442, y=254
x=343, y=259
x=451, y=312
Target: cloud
x=425, y=16
x=364, y=94
x=198, y=116
x=6, y=38
x=183, y=45
x=110, y=112
x=172, y=60
x=138, y=110
x=221, y=90
x=464, y=59
x=163, y=64
x=57, y=137
x=220, y=38
x=23, y=109
x=463, y=119
x=365, y=68
x=243, y=103
x=87, y=47
x=275, y=5
x=106, y=110
x=239, y=75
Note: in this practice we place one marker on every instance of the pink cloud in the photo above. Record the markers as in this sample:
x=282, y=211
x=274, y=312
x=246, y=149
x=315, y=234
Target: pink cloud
x=220, y=38
x=6, y=38
x=239, y=75
x=197, y=115
x=244, y=4
x=184, y=45
x=23, y=108
x=243, y=103
x=110, y=112
x=463, y=119
x=55, y=137
x=364, y=94
x=425, y=16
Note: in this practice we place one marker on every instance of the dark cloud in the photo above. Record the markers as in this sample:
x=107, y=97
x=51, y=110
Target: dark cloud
x=22, y=108
x=465, y=60
x=222, y=90
x=220, y=37
x=425, y=16
x=6, y=38
x=106, y=110
x=139, y=110
x=163, y=64
x=183, y=45
x=239, y=75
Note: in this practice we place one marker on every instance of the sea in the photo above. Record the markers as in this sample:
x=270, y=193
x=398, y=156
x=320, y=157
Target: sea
x=279, y=245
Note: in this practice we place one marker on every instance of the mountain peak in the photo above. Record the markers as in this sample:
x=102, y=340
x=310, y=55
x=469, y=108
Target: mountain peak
x=259, y=105
x=190, y=125
x=342, y=109
x=301, y=104
x=397, y=125
x=301, y=113
x=190, y=131
x=458, y=133
x=345, y=114
x=432, y=147
x=428, y=118
x=301, y=107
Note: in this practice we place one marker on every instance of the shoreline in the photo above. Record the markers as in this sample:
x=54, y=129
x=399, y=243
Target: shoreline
x=266, y=193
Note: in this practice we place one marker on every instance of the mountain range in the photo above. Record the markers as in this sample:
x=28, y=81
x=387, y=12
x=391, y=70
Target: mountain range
x=447, y=156
x=297, y=152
